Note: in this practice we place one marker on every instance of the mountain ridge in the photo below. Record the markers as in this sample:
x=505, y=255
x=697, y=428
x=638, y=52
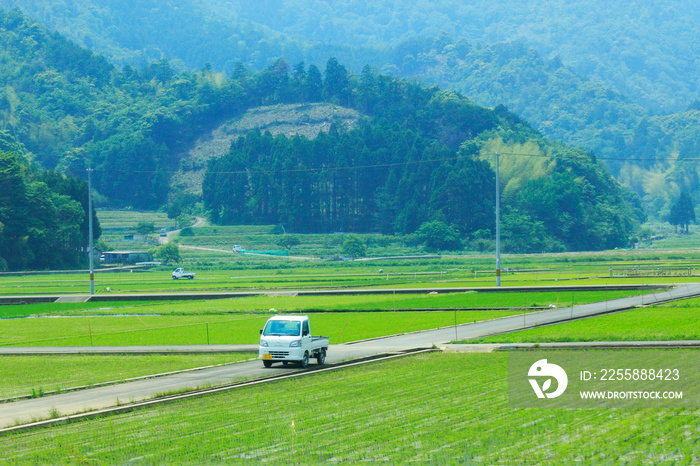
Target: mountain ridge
x=569, y=91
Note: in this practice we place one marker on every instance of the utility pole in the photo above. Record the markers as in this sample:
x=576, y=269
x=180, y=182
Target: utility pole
x=91, y=250
x=498, y=222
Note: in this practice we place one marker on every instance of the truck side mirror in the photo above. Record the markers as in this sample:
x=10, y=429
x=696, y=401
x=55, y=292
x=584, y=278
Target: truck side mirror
x=260, y=331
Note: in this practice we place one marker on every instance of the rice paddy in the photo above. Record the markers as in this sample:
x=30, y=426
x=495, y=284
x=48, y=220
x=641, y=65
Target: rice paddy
x=436, y=408
x=439, y=408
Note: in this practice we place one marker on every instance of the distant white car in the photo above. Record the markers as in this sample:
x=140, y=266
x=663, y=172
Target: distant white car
x=237, y=248
x=180, y=273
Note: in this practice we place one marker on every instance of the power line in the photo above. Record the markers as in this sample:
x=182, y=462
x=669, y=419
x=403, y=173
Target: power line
x=416, y=162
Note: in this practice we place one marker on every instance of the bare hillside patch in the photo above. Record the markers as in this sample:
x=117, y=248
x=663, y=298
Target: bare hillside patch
x=303, y=119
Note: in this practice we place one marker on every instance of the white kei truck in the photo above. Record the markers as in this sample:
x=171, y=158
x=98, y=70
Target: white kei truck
x=180, y=273
x=288, y=339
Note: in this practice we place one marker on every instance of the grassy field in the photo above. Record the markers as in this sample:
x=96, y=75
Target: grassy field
x=128, y=219
x=440, y=408
x=219, y=269
x=667, y=322
x=219, y=329
x=237, y=321
x=676, y=251
x=37, y=375
x=292, y=303
x=350, y=276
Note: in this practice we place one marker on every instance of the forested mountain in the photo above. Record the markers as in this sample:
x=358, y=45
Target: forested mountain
x=594, y=74
x=647, y=51
x=644, y=151
x=423, y=155
x=419, y=154
x=43, y=214
x=72, y=109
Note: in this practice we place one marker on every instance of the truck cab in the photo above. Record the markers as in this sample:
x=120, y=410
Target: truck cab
x=288, y=339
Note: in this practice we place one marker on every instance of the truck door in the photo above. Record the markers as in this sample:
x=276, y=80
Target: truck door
x=305, y=333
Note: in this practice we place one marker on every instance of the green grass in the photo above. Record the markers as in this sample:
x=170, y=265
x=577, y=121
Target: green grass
x=652, y=324
x=237, y=321
x=36, y=375
x=437, y=408
x=160, y=280
x=471, y=300
x=110, y=219
x=437, y=274
x=284, y=303
x=218, y=329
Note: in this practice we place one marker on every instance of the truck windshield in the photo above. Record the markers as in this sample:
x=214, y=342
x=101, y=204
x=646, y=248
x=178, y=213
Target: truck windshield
x=282, y=328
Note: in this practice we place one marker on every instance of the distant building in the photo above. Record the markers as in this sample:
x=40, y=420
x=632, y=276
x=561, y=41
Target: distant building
x=124, y=257
x=96, y=254
x=135, y=237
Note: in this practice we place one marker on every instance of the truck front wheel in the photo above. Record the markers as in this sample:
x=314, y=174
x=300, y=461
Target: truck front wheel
x=304, y=363
x=267, y=363
x=321, y=358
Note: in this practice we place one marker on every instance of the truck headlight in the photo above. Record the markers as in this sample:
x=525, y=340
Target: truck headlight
x=263, y=343
x=295, y=343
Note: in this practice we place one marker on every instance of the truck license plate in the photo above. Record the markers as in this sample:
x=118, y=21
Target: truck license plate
x=267, y=356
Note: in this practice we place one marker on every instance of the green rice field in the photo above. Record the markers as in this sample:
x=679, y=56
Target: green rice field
x=219, y=329
x=39, y=375
x=435, y=408
x=659, y=323
x=429, y=408
x=237, y=321
x=293, y=303
x=159, y=280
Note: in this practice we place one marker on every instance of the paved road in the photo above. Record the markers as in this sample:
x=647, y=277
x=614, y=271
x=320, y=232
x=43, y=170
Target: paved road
x=198, y=222
x=24, y=411
x=535, y=319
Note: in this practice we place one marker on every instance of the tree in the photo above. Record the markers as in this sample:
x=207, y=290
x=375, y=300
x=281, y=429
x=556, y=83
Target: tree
x=145, y=228
x=313, y=85
x=184, y=220
x=169, y=252
x=353, y=246
x=336, y=82
x=438, y=235
x=288, y=241
x=521, y=234
x=682, y=212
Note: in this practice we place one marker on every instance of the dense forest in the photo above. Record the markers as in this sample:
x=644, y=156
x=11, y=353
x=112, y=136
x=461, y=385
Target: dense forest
x=598, y=75
x=43, y=214
x=72, y=109
x=422, y=156
x=653, y=155
x=646, y=51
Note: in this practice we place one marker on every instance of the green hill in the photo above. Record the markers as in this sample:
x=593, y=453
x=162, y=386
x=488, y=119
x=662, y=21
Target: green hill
x=596, y=74
x=407, y=155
